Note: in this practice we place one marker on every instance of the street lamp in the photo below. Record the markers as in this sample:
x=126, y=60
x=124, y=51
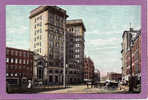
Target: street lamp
x=131, y=87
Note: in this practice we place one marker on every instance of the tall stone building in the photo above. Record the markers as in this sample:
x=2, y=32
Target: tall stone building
x=47, y=28
x=75, y=49
x=131, y=53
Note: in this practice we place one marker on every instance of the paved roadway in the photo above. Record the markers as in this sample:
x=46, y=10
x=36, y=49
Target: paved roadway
x=84, y=89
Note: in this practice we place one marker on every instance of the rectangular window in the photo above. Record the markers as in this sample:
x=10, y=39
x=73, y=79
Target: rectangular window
x=20, y=53
x=40, y=50
x=7, y=51
x=11, y=60
x=16, y=61
x=24, y=61
x=24, y=54
x=20, y=61
x=11, y=52
x=7, y=59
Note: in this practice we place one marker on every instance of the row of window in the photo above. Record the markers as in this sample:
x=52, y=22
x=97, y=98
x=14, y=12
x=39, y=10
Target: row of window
x=74, y=30
x=77, y=45
x=56, y=30
x=17, y=53
x=56, y=20
x=54, y=44
x=18, y=61
x=37, y=25
x=39, y=18
x=60, y=71
x=15, y=67
x=37, y=31
x=55, y=37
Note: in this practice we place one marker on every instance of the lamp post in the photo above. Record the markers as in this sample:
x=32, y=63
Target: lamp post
x=20, y=79
x=131, y=88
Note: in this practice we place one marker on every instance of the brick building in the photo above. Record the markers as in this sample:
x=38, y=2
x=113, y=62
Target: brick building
x=88, y=69
x=114, y=76
x=131, y=53
x=19, y=66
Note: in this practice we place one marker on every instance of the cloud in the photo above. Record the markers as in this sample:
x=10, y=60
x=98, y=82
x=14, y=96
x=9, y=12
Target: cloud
x=103, y=42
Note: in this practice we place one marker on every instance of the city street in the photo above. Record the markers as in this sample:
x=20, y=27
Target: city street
x=84, y=89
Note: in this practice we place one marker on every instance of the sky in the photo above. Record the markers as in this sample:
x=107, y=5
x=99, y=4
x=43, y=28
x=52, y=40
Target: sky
x=103, y=36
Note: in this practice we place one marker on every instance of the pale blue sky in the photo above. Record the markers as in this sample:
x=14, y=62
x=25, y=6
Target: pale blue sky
x=104, y=28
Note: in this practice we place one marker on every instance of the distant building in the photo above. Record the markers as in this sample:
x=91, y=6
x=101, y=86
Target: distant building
x=131, y=40
x=114, y=76
x=19, y=66
x=97, y=75
x=88, y=69
x=75, y=50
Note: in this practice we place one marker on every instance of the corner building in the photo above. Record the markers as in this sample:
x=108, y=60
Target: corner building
x=135, y=39
x=47, y=28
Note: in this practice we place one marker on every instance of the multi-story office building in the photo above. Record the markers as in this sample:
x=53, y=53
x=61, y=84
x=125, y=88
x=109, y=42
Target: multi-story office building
x=75, y=50
x=131, y=53
x=88, y=69
x=19, y=66
x=47, y=28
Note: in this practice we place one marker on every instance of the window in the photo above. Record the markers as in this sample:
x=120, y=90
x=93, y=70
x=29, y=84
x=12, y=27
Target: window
x=16, y=61
x=40, y=50
x=11, y=52
x=35, y=20
x=40, y=23
x=24, y=61
x=11, y=74
x=40, y=43
x=40, y=17
x=7, y=74
x=27, y=61
x=12, y=60
x=15, y=67
x=35, y=26
x=40, y=37
x=7, y=59
x=20, y=53
x=24, y=54
x=7, y=51
x=20, y=61
x=15, y=74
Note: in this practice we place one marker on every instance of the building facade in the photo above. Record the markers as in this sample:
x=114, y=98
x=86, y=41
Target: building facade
x=97, y=75
x=75, y=50
x=131, y=53
x=88, y=69
x=47, y=29
x=114, y=76
x=19, y=66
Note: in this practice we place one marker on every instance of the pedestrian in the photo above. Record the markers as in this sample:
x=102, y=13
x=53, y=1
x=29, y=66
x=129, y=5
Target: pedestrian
x=29, y=84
